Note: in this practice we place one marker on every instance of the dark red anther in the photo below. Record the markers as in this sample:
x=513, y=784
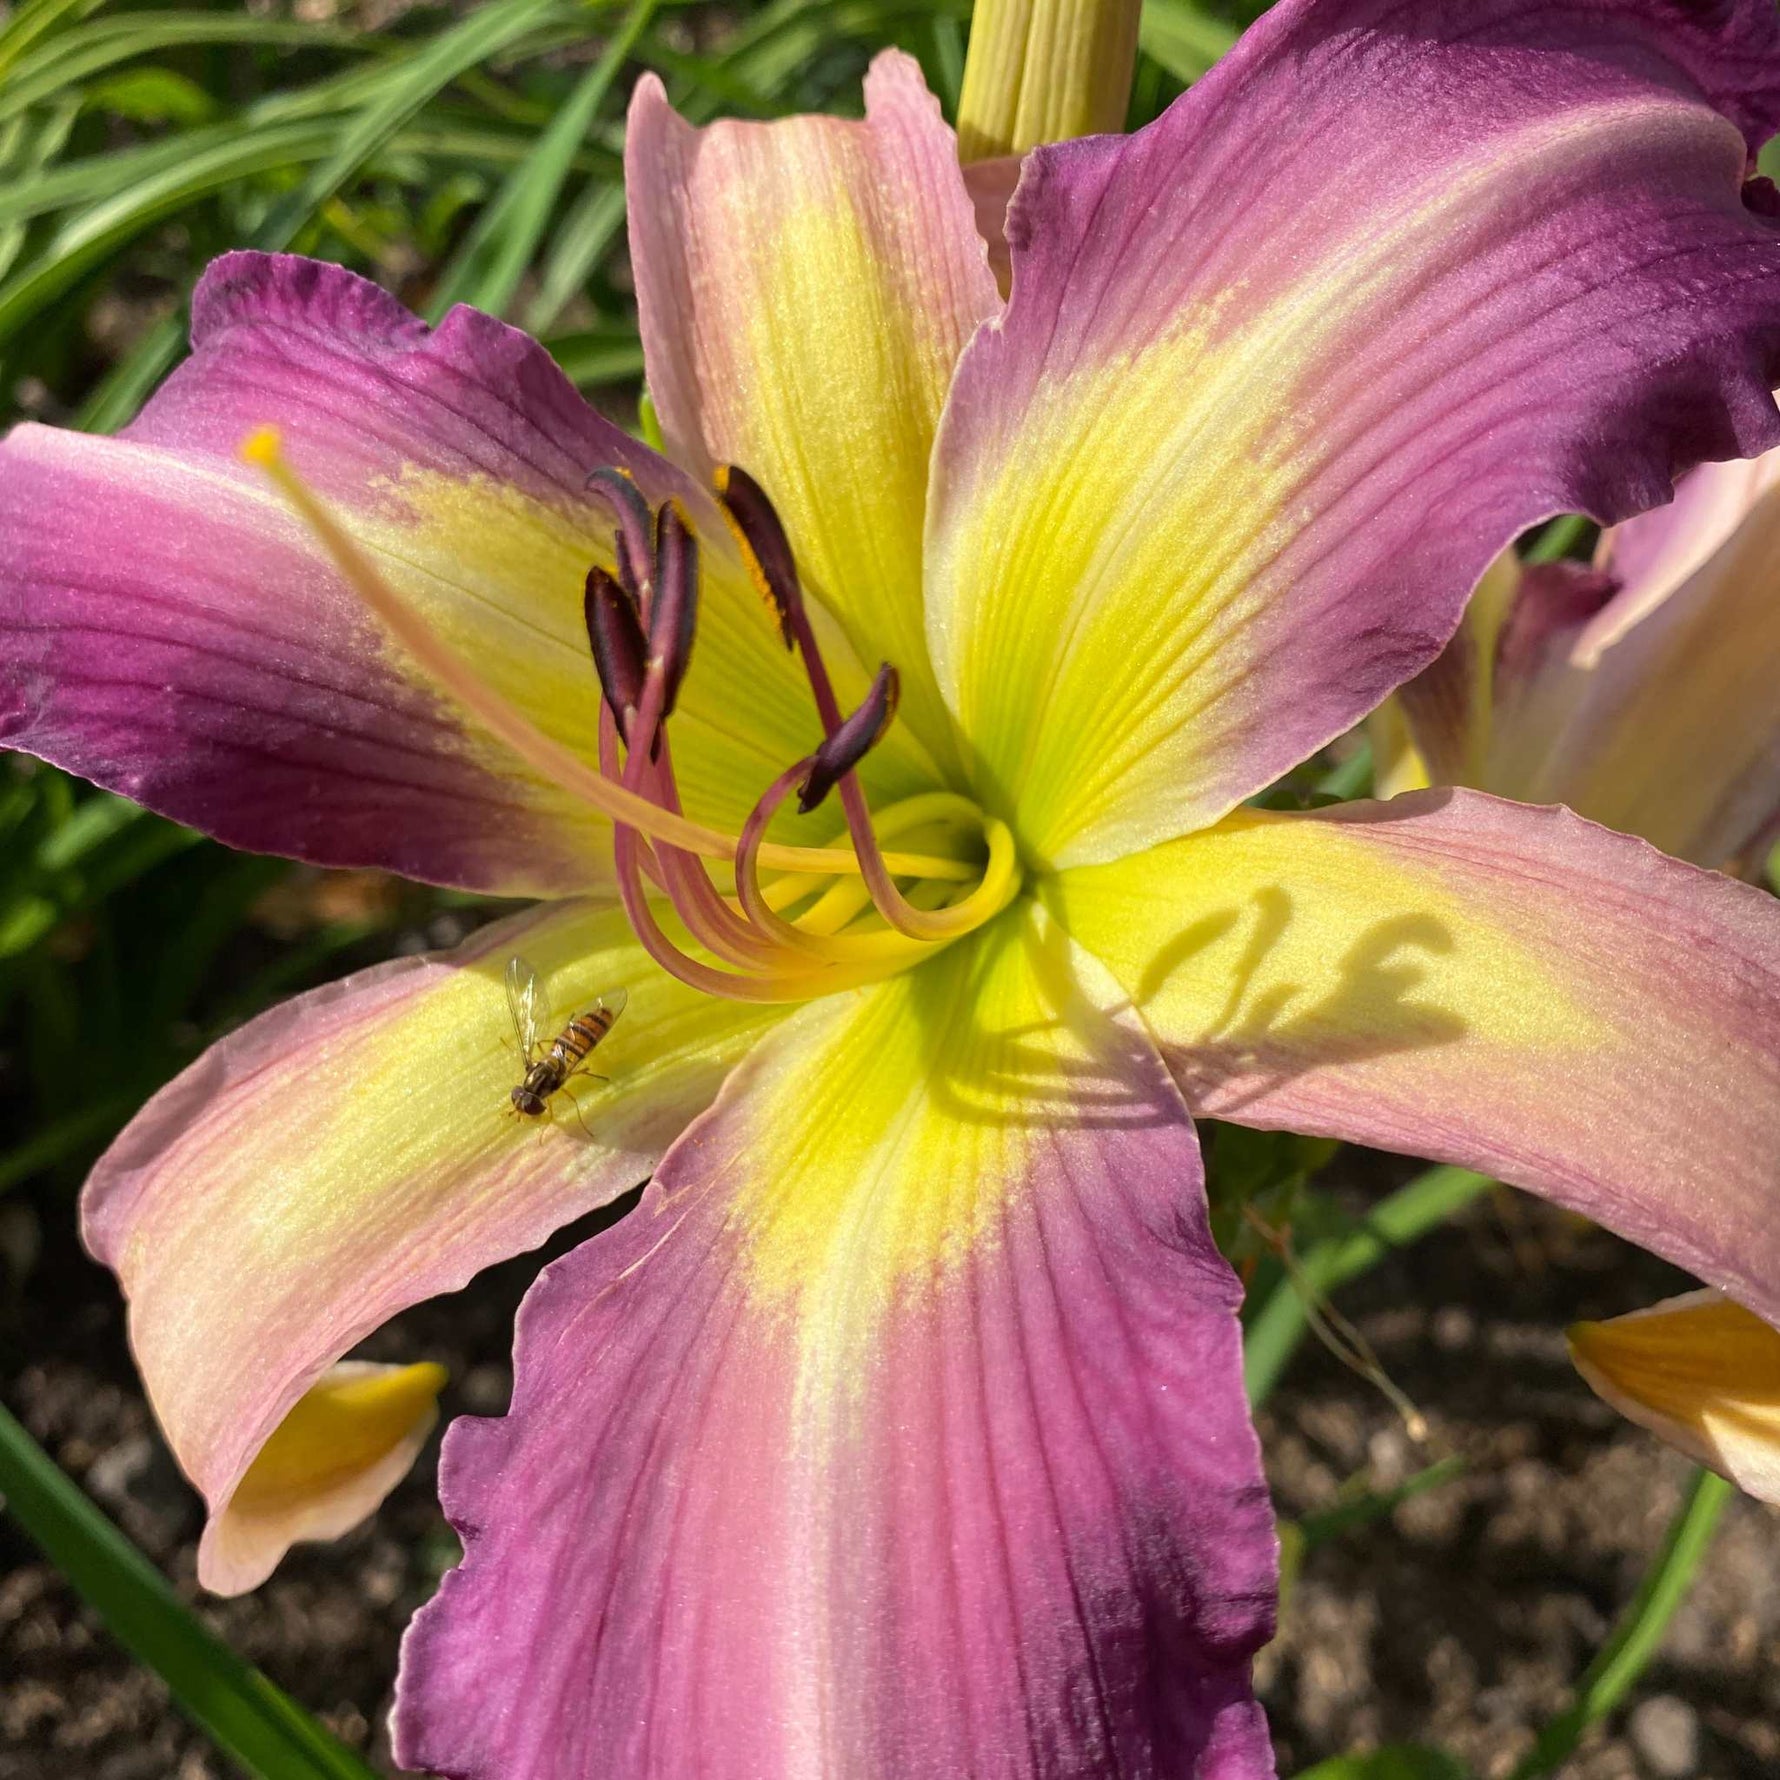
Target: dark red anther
x=619, y=649
x=636, y=578
x=635, y=550
x=853, y=740
x=675, y=617
x=762, y=536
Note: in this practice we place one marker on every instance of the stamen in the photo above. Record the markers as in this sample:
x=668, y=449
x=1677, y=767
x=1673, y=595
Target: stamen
x=620, y=652
x=675, y=617
x=641, y=625
x=849, y=744
x=635, y=525
x=766, y=551
x=778, y=988
x=884, y=947
x=711, y=921
x=547, y=756
x=613, y=769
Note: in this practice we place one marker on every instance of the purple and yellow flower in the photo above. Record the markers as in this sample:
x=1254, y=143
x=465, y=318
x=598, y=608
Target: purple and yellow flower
x=1643, y=690
x=900, y=1430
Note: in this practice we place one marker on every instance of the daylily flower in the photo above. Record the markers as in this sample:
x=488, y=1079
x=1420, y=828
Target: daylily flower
x=900, y=1430
x=1642, y=690
x=1701, y=1372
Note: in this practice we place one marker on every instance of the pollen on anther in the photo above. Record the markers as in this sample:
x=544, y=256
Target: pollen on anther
x=766, y=551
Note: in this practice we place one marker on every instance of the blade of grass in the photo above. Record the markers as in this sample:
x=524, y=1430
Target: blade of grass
x=591, y=359
x=38, y=19
x=1400, y=1761
x=1367, y=1506
x=65, y=1137
x=485, y=32
x=126, y=386
x=1624, y=1657
x=90, y=825
x=1184, y=39
x=233, y=1703
x=1272, y=1334
x=577, y=247
x=947, y=37
x=34, y=144
x=92, y=49
x=232, y=153
x=1352, y=777
x=488, y=267
x=1559, y=538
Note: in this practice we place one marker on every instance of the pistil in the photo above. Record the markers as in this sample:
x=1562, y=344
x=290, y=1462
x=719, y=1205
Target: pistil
x=857, y=923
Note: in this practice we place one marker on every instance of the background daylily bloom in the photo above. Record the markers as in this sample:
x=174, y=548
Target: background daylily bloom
x=1702, y=1372
x=900, y=1430
x=1643, y=691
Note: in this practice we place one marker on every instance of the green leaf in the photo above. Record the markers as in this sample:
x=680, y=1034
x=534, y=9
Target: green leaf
x=598, y=356
x=90, y=825
x=1184, y=38
x=127, y=385
x=1560, y=539
x=1401, y=1761
x=577, y=247
x=91, y=49
x=1361, y=1507
x=90, y=237
x=488, y=267
x=63, y=1138
x=128, y=193
x=152, y=96
x=1273, y=1331
x=1352, y=777
x=37, y=19
x=32, y=144
x=233, y=1703
x=401, y=92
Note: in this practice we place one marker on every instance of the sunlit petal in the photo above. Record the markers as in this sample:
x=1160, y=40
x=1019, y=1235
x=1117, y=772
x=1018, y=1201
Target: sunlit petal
x=168, y=627
x=1470, y=980
x=1180, y=528
x=1659, y=714
x=898, y=1432
x=805, y=289
x=353, y=1152
x=346, y=1443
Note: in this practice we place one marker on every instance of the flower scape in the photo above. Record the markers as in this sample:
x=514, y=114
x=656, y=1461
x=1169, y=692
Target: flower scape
x=882, y=748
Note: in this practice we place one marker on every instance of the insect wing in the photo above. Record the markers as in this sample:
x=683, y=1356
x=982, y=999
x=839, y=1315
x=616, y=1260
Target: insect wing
x=612, y=1004
x=525, y=1001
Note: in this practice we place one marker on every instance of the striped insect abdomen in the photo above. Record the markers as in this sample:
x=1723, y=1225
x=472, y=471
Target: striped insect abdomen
x=579, y=1037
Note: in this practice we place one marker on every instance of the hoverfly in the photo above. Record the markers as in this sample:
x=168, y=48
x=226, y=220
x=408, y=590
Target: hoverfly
x=549, y=1065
